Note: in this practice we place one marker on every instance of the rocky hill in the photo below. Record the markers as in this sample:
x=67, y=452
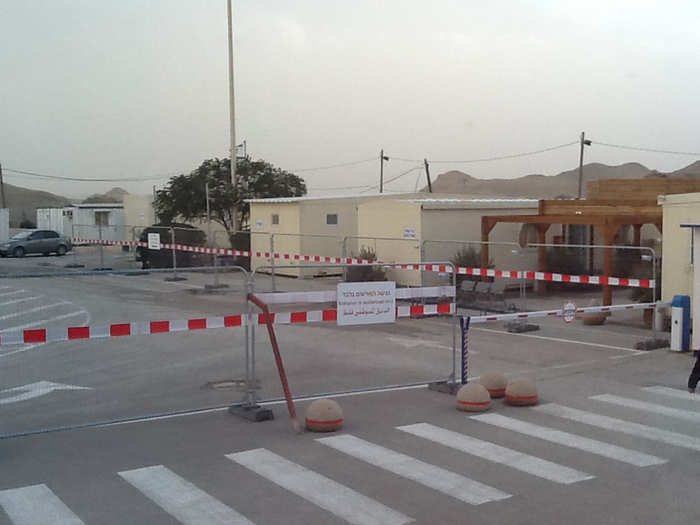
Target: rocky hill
x=563, y=185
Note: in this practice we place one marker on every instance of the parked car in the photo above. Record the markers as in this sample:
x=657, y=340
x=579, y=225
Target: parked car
x=36, y=241
x=184, y=234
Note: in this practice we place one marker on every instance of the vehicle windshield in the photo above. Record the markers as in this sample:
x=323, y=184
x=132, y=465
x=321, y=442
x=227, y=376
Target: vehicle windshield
x=22, y=235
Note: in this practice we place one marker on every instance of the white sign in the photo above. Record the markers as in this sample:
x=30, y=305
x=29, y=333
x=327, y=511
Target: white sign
x=366, y=303
x=259, y=224
x=154, y=241
x=568, y=312
x=32, y=390
x=409, y=233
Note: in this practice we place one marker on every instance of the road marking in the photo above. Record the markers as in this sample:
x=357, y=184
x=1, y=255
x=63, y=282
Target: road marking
x=32, y=390
x=180, y=498
x=320, y=490
x=22, y=300
x=672, y=392
x=663, y=410
x=436, y=478
x=24, y=349
x=36, y=504
x=498, y=454
x=15, y=292
x=33, y=310
x=620, y=425
x=560, y=340
x=566, y=439
x=414, y=343
x=44, y=321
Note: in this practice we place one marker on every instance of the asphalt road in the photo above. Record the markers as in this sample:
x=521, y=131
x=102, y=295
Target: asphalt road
x=407, y=455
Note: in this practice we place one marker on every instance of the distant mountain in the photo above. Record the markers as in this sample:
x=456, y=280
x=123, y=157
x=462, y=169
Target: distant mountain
x=23, y=203
x=564, y=184
x=113, y=195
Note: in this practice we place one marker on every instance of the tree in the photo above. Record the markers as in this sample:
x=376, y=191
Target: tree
x=185, y=198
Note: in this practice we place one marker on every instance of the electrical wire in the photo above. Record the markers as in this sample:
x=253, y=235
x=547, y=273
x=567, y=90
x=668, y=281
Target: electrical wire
x=504, y=157
x=648, y=150
x=331, y=166
x=78, y=179
x=397, y=177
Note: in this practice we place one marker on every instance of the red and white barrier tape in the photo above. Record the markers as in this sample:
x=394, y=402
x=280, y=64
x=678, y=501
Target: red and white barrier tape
x=51, y=335
x=559, y=312
x=482, y=272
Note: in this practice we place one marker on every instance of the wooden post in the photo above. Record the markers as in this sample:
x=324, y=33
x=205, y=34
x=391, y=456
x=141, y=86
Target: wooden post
x=608, y=231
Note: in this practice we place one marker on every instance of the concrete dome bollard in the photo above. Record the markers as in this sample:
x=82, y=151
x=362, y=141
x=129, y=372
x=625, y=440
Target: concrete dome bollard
x=521, y=392
x=324, y=415
x=495, y=383
x=473, y=398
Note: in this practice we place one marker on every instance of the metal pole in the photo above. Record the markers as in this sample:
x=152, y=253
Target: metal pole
x=2, y=189
x=232, y=110
x=216, y=264
x=272, y=261
x=381, y=171
x=102, y=248
x=172, y=248
x=206, y=193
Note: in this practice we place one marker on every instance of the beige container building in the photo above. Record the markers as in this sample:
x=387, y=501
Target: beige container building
x=393, y=226
x=677, y=275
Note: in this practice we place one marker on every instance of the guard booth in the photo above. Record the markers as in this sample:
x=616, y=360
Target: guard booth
x=695, y=302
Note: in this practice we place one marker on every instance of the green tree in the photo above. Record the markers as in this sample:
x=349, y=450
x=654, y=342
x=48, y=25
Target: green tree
x=185, y=198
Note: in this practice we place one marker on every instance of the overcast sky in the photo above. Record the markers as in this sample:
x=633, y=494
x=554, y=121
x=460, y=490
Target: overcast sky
x=136, y=88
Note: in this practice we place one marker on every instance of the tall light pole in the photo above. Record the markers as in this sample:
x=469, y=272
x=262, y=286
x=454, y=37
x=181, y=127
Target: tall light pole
x=584, y=142
x=232, y=111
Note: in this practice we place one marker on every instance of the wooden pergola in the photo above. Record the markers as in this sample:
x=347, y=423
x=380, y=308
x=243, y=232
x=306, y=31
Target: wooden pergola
x=605, y=216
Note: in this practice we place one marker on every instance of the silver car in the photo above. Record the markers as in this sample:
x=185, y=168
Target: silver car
x=36, y=241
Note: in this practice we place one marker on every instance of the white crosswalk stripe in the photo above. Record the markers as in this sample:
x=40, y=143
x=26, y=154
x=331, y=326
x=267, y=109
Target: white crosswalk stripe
x=436, y=478
x=620, y=425
x=687, y=415
x=567, y=439
x=180, y=498
x=337, y=499
x=672, y=392
x=483, y=449
x=36, y=505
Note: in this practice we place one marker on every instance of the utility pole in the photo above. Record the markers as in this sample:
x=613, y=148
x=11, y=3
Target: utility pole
x=2, y=189
x=427, y=174
x=382, y=158
x=232, y=111
x=584, y=142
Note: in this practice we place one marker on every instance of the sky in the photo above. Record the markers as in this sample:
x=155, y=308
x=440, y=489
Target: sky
x=138, y=89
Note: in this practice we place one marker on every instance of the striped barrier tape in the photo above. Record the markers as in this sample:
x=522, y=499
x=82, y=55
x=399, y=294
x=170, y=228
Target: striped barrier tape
x=51, y=335
x=559, y=312
x=441, y=268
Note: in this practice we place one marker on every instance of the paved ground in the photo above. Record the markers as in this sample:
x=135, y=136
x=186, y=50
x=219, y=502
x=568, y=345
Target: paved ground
x=406, y=454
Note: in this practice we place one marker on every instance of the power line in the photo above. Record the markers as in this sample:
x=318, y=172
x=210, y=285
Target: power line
x=648, y=150
x=341, y=188
x=504, y=157
x=78, y=179
x=331, y=166
x=397, y=177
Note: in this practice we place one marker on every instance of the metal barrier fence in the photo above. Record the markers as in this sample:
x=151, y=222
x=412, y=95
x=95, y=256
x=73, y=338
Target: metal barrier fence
x=125, y=344
x=332, y=342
